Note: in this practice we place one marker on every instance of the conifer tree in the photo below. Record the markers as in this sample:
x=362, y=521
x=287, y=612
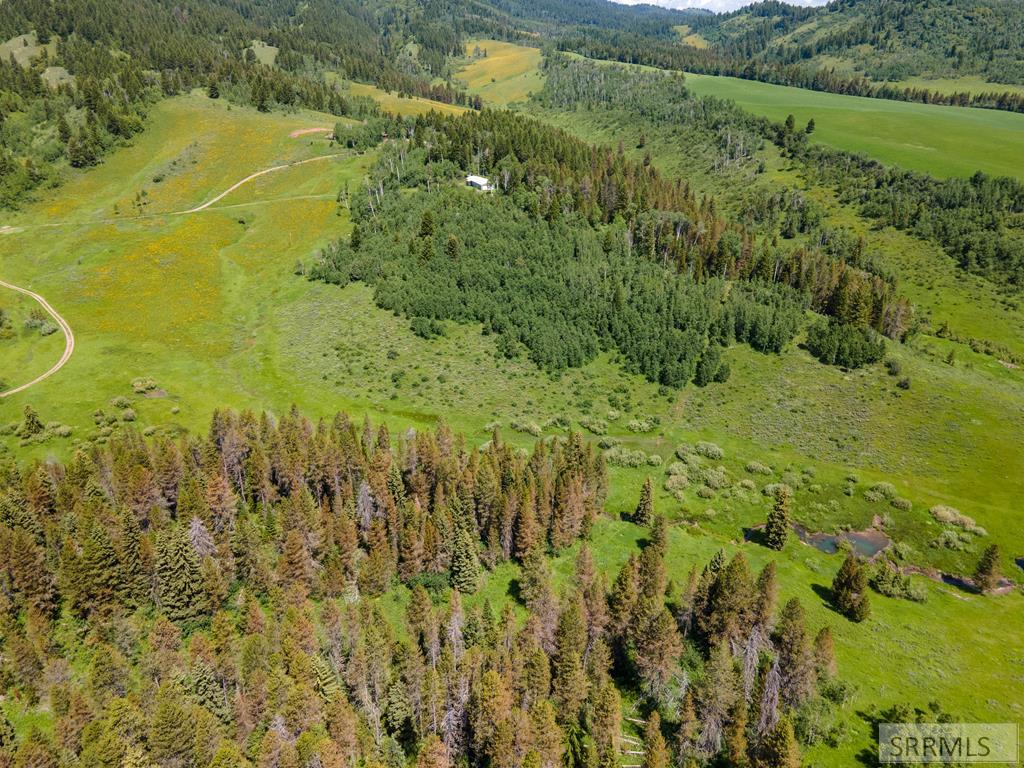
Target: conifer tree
x=655, y=750
x=171, y=728
x=779, y=748
x=987, y=574
x=644, y=513
x=795, y=655
x=465, y=574
x=776, y=530
x=825, y=654
x=850, y=589
x=179, y=582
x=104, y=583
x=736, y=736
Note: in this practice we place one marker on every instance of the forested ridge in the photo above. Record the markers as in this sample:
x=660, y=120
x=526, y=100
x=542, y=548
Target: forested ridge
x=976, y=220
x=208, y=601
x=886, y=39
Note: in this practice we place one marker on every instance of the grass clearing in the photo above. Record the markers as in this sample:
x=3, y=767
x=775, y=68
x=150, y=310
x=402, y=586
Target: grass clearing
x=943, y=141
x=265, y=53
x=502, y=73
x=403, y=105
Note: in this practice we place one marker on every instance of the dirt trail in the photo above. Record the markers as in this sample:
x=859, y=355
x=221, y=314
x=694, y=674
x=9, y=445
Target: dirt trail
x=65, y=327
x=69, y=339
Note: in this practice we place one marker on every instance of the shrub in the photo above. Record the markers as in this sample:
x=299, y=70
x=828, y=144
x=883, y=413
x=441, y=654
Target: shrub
x=677, y=468
x=142, y=385
x=643, y=424
x=904, y=505
x=893, y=366
x=952, y=516
x=774, y=489
x=428, y=328
x=716, y=477
x=747, y=484
x=528, y=428
x=904, y=383
x=676, y=483
x=612, y=415
x=887, y=580
x=128, y=414
x=709, y=451
x=594, y=426
x=624, y=457
x=683, y=450
x=654, y=460
x=879, y=491
x=705, y=492
x=950, y=539
x=607, y=442
x=757, y=468
x=792, y=479
x=121, y=402
x=47, y=328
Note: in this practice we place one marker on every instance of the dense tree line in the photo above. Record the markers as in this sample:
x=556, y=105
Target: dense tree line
x=582, y=250
x=886, y=40
x=836, y=275
x=630, y=47
x=207, y=601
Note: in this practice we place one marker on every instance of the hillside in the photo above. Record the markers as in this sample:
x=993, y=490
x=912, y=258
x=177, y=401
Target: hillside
x=885, y=40
x=689, y=439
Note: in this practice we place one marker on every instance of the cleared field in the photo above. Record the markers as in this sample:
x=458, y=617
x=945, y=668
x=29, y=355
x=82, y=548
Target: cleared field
x=944, y=141
x=500, y=72
x=401, y=105
x=690, y=38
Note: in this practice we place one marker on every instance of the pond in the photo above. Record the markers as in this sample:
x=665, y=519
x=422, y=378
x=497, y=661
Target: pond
x=868, y=542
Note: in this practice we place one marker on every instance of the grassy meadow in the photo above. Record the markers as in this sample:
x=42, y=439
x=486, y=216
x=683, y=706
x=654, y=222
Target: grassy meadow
x=508, y=73
x=210, y=307
x=943, y=141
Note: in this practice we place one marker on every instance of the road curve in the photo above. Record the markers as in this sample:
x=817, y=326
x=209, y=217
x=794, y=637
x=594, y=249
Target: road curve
x=69, y=339
x=69, y=336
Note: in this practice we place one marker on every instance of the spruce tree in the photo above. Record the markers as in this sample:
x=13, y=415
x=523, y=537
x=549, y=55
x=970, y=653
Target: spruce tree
x=465, y=573
x=644, y=513
x=987, y=574
x=179, y=581
x=776, y=530
x=779, y=748
x=172, y=726
x=850, y=589
x=655, y=751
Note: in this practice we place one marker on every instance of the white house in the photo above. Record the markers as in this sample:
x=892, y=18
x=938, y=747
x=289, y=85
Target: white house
x=479, y=182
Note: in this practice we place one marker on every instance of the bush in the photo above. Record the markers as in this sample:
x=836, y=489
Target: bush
x=847, y=346
x=773, y=489
x=653, y=460
x=950, y=539
x=904, y=505
x=128, y=414
x=716, y=478
x=594, y=426
x=624, y=457
x=757, y=468
x=953, y=516
x=880, y=491
x=677, y=468
x=143, y=385
x=709, y=451
x=705, y=492
x=887, y=580
x=643, y=424
x=121, y=403
x=676, y=483
x=683, y=451
x=528, y=428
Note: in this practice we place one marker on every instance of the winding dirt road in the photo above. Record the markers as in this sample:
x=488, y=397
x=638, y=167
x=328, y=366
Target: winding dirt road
x=65, y=327
x=69, y=339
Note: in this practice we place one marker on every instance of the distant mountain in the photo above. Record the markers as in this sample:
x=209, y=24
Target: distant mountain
x=887, y=40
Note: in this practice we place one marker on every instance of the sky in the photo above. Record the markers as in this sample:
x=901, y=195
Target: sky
x=714, y=5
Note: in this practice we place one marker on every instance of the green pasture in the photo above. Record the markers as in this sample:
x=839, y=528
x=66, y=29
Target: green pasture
x=943, y=141
x=503, y=73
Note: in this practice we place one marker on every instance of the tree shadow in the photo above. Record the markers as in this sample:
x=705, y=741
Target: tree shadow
x=756, y=536
x=825, y=593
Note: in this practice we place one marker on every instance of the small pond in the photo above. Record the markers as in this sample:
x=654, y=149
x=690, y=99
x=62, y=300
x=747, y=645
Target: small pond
x=868, y=542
